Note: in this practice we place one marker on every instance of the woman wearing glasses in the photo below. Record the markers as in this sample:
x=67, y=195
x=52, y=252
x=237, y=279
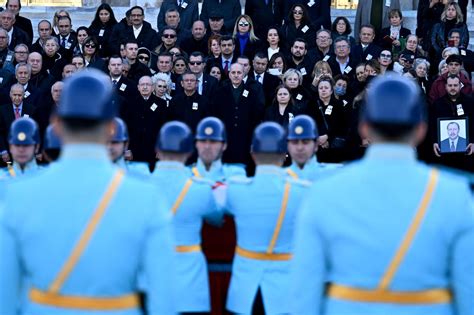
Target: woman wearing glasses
x=90, y=50
x=298, y=26
x=385, y=61
x=246, y=43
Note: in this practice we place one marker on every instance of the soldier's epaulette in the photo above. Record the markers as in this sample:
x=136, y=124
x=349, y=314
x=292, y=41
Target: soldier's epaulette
x=239, y=179
x=202, y=180
x=297, y=181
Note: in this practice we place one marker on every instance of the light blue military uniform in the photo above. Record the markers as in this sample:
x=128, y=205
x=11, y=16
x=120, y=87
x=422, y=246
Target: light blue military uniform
x=85, y=231
x=134, y=235
x=401, y=240
x=255, y=204
x=14, y=170
x=218, y=172
x=134, y=167
x=333, y=245
x=312, y=170
x=192, y=282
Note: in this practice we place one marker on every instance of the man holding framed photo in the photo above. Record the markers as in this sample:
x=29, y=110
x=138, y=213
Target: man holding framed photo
x=455, y=107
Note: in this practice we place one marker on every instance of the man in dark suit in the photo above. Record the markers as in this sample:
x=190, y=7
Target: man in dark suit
x=207, y=84
x=44, y=31
x=10, y=112
x=366, y=49
x=454, y=143
x=39, y=77
x=137, y=69
x=144, y=118
x=32, y=93
x=67, y=38
x=189, y=107
x=140, y=31
x=198, y=39
x=239, y=109
x=126, y=90
x=20, y=21
x=188, y=12
x=250, y=83
x=269, y=82
x=17, y=35
x=225, y=10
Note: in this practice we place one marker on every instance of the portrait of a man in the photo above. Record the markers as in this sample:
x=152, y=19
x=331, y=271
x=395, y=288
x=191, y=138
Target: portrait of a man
x=454, y=142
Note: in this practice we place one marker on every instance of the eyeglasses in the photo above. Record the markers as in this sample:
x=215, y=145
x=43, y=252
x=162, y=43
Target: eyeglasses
x=169, y=35
x=89, y=45
x=195, y=63
x=243, y=24
x=297, y=12
x=145, y=58
x=385, y=56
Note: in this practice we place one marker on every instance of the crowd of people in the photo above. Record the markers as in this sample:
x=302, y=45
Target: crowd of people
x=199, y=119
x=278, y=60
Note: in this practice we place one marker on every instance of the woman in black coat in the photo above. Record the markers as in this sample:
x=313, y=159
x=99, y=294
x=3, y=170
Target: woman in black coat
x=298, y=26
x=91, y=54
x=101, y=28
x=283, y=108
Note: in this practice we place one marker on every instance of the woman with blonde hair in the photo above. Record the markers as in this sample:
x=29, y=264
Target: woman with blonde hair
x=451, y=18
x=246, y=42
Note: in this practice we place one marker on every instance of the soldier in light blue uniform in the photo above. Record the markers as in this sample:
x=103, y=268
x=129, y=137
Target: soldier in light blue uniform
x=264, y=209
x=302, y=147
x=51, y=144
x=190, y=201
x=211, y=143
x=118, y=144
x=401, y=240
x=80, y=251
x=24, y=142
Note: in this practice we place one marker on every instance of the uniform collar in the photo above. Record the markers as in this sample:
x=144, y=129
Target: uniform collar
x=121, y=162
x=215, y=166
x=169, y=165
x=28, y=167
x=390, y=151
x=85, y=151
x=269, y=170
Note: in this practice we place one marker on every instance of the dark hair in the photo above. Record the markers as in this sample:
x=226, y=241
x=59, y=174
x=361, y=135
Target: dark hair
x=83, y=28
x=342, y=77
x=299, y=39
x=392, y=131
x=277, y=29
x=367, y=26
x=346, y=21
x=374, y=64
x=282, y=86
x=181, y=58
x=197, y=54
x=274, y=57
x=136, y=7
x=115, y=57
x=65, y=17
x=304, y=20
x=261, y=55
x=165, y=54
x=19, y=4
x=96, y=23
x=226, y=38
x=454, y=30
x=130, y=41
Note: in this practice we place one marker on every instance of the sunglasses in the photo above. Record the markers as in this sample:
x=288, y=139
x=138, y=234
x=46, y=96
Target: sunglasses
x=297, y=12
x=89, y=45
x=169, y=35
x=161, y=86
x=243, y=24
x=197, y=63
x=385, y=56
x=144, y=58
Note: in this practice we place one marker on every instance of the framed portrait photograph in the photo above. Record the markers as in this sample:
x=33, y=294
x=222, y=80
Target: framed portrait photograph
x=453, y=135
